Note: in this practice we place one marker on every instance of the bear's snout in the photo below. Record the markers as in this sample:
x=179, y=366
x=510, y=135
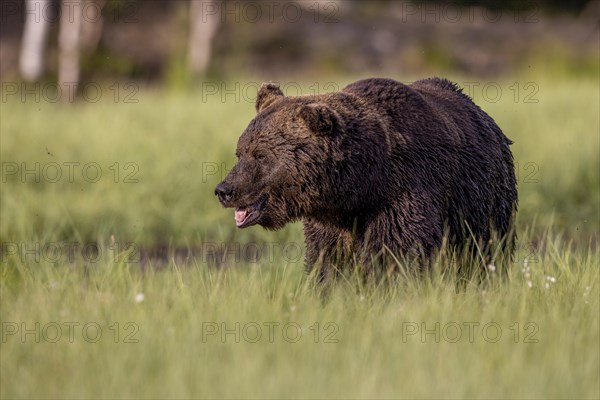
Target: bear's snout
x=224, y=192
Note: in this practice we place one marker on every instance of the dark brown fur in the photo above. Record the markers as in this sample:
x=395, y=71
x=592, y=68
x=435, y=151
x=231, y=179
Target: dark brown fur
x=380, y=166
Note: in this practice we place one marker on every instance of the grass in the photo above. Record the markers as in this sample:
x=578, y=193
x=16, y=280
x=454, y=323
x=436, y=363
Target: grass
x=162, y=319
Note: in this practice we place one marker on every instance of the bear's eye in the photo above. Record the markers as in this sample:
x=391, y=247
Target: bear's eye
x=260, y=156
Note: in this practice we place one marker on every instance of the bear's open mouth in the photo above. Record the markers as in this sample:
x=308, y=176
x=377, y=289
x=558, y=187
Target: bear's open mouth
x=246, y=216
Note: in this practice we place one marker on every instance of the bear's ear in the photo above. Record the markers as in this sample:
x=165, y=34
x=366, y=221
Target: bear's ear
x=268, y=93
x=319, y=118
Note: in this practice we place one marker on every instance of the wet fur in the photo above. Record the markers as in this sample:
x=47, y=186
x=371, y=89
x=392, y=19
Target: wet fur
x=377, y=167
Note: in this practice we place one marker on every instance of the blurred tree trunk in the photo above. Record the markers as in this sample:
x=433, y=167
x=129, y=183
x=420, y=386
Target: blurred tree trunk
x=31, y=61
x=91, y=26
x=68, y=48
x=204, y=21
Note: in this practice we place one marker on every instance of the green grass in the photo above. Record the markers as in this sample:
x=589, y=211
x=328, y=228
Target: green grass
x=365, y=348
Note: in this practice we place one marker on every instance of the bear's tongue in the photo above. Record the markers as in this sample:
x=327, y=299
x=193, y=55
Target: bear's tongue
x=241, y=214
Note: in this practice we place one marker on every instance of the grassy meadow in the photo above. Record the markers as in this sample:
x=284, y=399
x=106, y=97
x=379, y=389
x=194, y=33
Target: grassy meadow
x=121, y=276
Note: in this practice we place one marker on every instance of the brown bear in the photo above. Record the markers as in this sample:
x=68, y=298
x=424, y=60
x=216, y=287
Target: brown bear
x=379, y=167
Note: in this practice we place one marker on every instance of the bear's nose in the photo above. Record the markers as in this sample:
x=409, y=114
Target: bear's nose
x=224, y=192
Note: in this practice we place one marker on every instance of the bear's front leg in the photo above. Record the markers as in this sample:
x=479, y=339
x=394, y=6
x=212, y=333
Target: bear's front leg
x=405, y=230
x=327, y=248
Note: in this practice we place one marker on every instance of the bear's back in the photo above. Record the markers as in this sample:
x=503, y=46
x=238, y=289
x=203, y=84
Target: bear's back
x=412, y=116
x=385, y=93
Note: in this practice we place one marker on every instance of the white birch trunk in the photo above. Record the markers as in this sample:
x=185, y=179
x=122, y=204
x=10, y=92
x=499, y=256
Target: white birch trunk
x=31, y=60
x=68, y=45
x=204, y=22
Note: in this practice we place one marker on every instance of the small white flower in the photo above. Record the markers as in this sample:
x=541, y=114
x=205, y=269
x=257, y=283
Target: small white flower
x=492, y=267
x=551, y=279
x=546, y=285
x=139, y=297
x=529, y=284
x=525, y=263
x=587, y=291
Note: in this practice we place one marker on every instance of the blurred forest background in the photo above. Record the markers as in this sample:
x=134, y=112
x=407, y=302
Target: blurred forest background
x=180, y=42
x=188, y=71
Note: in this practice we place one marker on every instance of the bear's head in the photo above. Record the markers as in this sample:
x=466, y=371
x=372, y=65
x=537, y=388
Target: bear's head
x=283, y=156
